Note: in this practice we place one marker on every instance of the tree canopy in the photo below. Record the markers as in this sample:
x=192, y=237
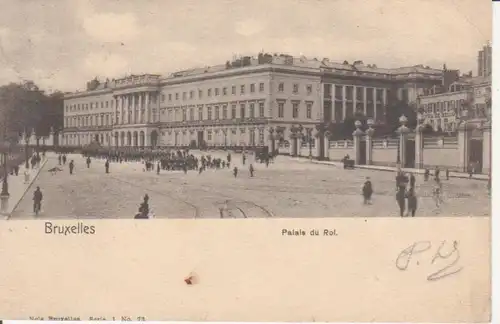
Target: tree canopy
x=24, y=107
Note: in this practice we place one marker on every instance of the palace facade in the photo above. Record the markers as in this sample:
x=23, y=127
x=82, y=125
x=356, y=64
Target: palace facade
x=235, y=104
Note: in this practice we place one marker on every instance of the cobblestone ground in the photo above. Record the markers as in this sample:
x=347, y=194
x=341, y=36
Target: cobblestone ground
x=288, y=188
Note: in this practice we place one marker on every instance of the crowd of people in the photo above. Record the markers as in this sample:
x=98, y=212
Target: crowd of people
x=406, y=194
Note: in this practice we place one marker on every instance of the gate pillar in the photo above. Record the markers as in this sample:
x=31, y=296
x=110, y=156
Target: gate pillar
x=486, y=147
x=464, y=135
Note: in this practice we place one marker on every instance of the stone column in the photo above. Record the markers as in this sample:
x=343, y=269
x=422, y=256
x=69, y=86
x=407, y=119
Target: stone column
x=134, y=108
x=464, y=134
x=148, y=109
x=365, y=100
x=403, y=131
x=124, y=109
x=369, y=141
x=419, y=147
x=344, y=103
x=51, y=137
x=33, y=136
x=486, y=128
x=356, y=135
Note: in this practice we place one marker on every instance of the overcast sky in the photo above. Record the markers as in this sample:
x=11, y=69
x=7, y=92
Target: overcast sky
x=60, y=44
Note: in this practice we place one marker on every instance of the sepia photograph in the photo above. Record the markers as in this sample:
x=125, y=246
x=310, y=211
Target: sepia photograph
x=250, y=121
x=296, y=160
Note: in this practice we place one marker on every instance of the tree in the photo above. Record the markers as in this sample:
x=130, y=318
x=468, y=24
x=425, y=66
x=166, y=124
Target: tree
x=344, y=130
x=394, y=110
x=24, y=107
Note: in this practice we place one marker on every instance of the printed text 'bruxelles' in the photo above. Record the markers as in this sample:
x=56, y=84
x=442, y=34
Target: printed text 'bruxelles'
x=78, y=229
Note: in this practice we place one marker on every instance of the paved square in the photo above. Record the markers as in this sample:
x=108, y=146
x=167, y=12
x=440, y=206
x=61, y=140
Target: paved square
x=288, y=188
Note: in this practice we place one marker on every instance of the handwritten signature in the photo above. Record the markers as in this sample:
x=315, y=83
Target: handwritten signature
x=445, y=251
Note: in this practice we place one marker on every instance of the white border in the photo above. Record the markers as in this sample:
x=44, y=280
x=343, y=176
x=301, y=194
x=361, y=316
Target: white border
x=495, y=234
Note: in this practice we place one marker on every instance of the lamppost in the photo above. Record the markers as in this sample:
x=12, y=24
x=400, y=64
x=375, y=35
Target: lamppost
x=26, y=149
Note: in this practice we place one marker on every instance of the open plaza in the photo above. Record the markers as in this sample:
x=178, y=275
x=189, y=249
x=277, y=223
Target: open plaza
x=289, y=187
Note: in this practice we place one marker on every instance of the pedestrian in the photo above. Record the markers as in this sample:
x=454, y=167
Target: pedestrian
x=235, y=172
x=251, y=169
x=367, y=191
x=400, y=198
x=71, y=166
x=106, y=166
x=426, y=174
x=88, y=162
x=437, y=193
x=412, y=201
x=59, y=158
x=158, y=168
x=412, y=180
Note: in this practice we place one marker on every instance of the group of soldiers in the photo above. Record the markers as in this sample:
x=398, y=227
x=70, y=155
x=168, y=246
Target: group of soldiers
x=167, y=160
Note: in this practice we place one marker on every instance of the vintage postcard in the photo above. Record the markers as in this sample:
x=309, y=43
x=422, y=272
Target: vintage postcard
x=320, y=160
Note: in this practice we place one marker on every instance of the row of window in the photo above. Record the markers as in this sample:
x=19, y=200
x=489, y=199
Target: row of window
x=90, y=106
x=224, y=91
x=212, y=113
x=217, y=112
x=443, y=106
x=295, y=110
x=110, y=104
x=210, y=136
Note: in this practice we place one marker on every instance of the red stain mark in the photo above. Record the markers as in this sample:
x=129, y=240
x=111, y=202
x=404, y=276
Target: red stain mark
x=189, y=280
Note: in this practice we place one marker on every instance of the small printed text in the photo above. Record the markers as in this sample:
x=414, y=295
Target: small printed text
x=309, y=232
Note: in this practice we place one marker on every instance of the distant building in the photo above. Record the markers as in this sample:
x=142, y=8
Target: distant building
x=484, y=66
x=236, y=103
x=466, y=99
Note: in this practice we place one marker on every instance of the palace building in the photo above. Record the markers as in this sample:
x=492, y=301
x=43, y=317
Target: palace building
x=236, y=104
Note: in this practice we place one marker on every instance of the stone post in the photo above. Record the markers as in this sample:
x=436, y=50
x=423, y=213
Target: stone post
x=51, y=137
x=357, y=134
x=464, y=134
x=486, y=128
x=32, y=136
x=369, y=142
x=403, y=131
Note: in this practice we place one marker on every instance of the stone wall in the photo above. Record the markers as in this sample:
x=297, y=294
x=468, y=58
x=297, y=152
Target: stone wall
x=385, y=152
x=337, y=150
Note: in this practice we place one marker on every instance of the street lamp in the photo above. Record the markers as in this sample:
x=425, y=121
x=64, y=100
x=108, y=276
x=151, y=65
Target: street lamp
x=4, y=195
